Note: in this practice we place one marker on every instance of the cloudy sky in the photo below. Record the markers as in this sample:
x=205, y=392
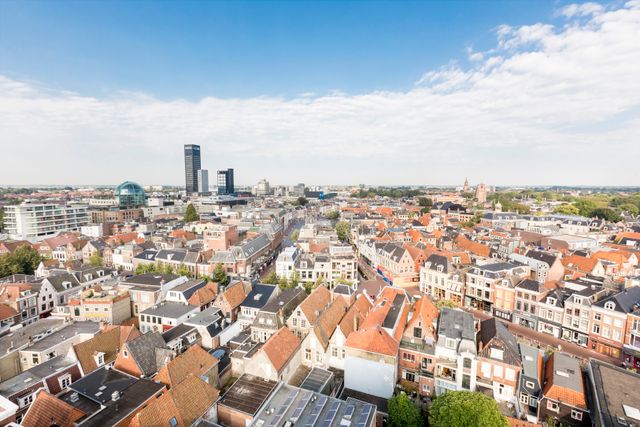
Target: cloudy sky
x=521, y=93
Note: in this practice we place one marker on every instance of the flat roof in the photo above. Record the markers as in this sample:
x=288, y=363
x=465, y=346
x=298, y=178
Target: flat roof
x=308, y=408
x=21, y=336
x=248, y=394
x=616, y=393
x=170, y=309
x=316, y=380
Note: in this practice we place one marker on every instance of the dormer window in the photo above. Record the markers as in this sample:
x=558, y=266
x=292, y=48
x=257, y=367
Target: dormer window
x=99, y=358
x=610, y=305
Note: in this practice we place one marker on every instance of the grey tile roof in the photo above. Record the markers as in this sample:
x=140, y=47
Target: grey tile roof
x=259, y=296
x=170, y=309
x=456, y=324
x=143, y=351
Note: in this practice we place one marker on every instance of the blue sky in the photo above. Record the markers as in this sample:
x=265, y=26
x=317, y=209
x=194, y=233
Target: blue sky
x=188, y=50
x=321, y=92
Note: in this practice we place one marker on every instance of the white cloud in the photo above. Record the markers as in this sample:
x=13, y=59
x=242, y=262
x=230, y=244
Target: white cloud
x=545, y=105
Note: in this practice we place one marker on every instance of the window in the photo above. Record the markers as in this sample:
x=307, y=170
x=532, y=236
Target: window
x=65, y=381
x=529, y=384
x=450, y=343
x=409, y=376
x=307, y=354
x=552, y=406
x=417, y=332
x=597, y=316
x=125, y=353
x=466, y=363
x=334, y=351
x=294, y=322
x=25, y=400
x=576, y=415
x=596, y=329
x=524, y=399
x=318, y=356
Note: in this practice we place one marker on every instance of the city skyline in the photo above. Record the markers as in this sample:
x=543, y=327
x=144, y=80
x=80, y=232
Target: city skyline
x=545, y=96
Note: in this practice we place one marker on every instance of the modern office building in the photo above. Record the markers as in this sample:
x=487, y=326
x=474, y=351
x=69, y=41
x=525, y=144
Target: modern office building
x=192, y=165
x=37, y=221
x=203, y=181
x=225, y=182
x=263, y=188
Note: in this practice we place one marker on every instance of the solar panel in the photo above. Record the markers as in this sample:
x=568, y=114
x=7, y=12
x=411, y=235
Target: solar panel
x=282, y=409
x=364, y=416
x=331, y=413
x=302, y=403
x=348, y=412
x=315, y=412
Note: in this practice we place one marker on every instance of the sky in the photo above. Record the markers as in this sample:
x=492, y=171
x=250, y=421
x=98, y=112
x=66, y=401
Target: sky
x=382, y=93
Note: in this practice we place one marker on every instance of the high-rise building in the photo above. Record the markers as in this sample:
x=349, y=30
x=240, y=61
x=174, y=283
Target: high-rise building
x=38, y=221
x=203, y=181
x=225, y=182
x=191, y=166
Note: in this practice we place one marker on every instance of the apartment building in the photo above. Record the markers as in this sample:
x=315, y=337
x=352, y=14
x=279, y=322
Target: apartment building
x=440, y=279
x=481, y=282
x=38, y=221
x=609, y=321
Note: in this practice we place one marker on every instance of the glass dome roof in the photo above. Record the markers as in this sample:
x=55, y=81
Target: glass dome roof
x=130, y=195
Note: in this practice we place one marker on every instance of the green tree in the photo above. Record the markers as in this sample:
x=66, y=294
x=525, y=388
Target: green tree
x=271, y=278
x=294, y=281
x=627, y=207
x=190, y=214
x=333, y=215
x=219, y=275
x=425, y=202
x=24, y=260
x=607, y=214
x=95, y=260
x=567, y=210
x=586, y=207
x=403, y=412
x=1, y=218
x=294, y=235
x=166, y=269
x=302, y=201
x=342, y=230
x=183, y=271
x=465, y=409
x=283, y=283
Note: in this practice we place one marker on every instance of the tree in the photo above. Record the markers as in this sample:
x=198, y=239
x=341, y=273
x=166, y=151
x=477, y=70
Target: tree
x=302, y=201
x=607, y=214
x=219, y=275
x=283, y=283
x=294, y=280
x=294, y=236
x=183, y=270
x=1, y=218
x=191, y=214
x=403, y=412
x=342, y=229
x=333, y=215
x=24, y=260
x=567, y=210
x=271, y=278
x=585, y=207
x=95, y=260
x=465, y=409
x=629, y=208
x=425, y=202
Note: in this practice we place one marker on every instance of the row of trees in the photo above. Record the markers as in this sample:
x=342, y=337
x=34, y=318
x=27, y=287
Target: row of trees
x=24, y=260
x=395, y=193
x=219, y=275
x=452, y=409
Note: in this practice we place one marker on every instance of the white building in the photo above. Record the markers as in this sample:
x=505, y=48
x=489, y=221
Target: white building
x=38, y=221
x=285, y=263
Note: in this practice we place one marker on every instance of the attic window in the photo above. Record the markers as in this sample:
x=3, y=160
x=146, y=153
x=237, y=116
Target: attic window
x=610, y=305
x=99, y=358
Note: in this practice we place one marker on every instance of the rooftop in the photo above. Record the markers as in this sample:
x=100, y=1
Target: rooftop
x=307, y=408
x=170, y=309
x=61, y=335
x=618, y=405
x=248, y=394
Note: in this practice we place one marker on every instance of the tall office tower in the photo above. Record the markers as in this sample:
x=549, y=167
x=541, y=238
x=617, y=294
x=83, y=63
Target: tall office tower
x=225, y=182
x=191, y=167
x=203, y=181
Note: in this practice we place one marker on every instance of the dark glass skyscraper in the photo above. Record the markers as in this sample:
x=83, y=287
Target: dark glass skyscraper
x=225, y=182
x=191, y=167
